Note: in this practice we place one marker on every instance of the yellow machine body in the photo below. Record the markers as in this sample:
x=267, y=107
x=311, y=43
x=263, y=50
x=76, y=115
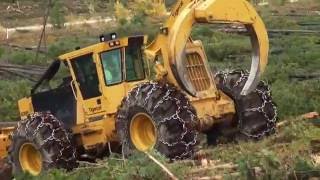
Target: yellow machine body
x=184, y=61
x=175, y=34
x=177, y=59
x=95, y=122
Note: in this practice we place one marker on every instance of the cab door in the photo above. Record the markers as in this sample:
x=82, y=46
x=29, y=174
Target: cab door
x=86, y=87
x=110, y=68
x=120, y=68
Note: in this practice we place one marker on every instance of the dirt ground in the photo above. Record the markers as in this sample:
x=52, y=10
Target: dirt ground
x=5, y=170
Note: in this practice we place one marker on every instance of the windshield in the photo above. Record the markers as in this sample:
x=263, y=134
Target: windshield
x=111, y=62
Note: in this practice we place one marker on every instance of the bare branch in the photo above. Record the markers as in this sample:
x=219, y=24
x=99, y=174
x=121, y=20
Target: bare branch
x=164, y=168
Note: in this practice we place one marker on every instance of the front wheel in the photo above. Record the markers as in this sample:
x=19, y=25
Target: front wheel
x=41, y=143
x=157, y=116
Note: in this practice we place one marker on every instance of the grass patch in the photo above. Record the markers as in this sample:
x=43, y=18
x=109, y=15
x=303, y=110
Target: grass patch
x=11, y=92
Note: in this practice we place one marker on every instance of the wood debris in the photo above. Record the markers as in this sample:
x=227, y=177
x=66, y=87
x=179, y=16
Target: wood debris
x=164, y=168
x=310, y=115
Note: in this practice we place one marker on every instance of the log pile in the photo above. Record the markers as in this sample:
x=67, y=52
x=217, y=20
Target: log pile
x=24, y=48
x=30, y=72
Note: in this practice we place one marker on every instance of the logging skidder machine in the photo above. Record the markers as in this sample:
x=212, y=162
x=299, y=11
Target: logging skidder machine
x=107, y=102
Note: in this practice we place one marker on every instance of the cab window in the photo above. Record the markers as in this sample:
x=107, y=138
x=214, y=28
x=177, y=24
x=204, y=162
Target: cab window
x=111, y=62
x=134, y=63
x=86, y=74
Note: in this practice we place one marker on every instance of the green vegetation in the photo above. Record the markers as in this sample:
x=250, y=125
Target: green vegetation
x=57, y=14
x=282, y=155
x=11, y=92
x=1, y=52
x=66, y=44
x=24, y=57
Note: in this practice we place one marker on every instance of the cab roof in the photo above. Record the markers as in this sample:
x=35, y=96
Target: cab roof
x=100, y=47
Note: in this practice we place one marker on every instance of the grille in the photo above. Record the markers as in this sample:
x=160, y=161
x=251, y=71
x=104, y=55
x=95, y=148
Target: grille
x=197, y=72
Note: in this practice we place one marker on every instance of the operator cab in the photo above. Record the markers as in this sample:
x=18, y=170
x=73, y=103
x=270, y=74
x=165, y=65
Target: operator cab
x=95, y=76
x=113, y=64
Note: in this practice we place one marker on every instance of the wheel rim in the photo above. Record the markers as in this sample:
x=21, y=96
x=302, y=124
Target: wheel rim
x=30, y=159
x=143, y=132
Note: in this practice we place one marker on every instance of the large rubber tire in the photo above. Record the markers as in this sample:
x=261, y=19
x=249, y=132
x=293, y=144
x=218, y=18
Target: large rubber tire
x=174, y=118
x=49, y=137
x=256, y=113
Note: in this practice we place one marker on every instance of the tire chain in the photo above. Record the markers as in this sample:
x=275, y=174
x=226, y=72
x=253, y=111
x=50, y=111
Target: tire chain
x=271, y=121
x=156, y=85
x=44, y=116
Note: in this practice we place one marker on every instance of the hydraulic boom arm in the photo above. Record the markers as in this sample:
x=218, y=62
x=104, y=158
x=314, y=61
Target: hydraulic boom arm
x=176, y=32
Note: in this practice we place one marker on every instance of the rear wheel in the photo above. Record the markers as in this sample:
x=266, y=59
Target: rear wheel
x=256, y=113
x=157, y=116
x=40, y=143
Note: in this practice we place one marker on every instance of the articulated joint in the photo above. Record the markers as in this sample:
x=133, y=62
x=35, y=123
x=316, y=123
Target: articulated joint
x=161, y=72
